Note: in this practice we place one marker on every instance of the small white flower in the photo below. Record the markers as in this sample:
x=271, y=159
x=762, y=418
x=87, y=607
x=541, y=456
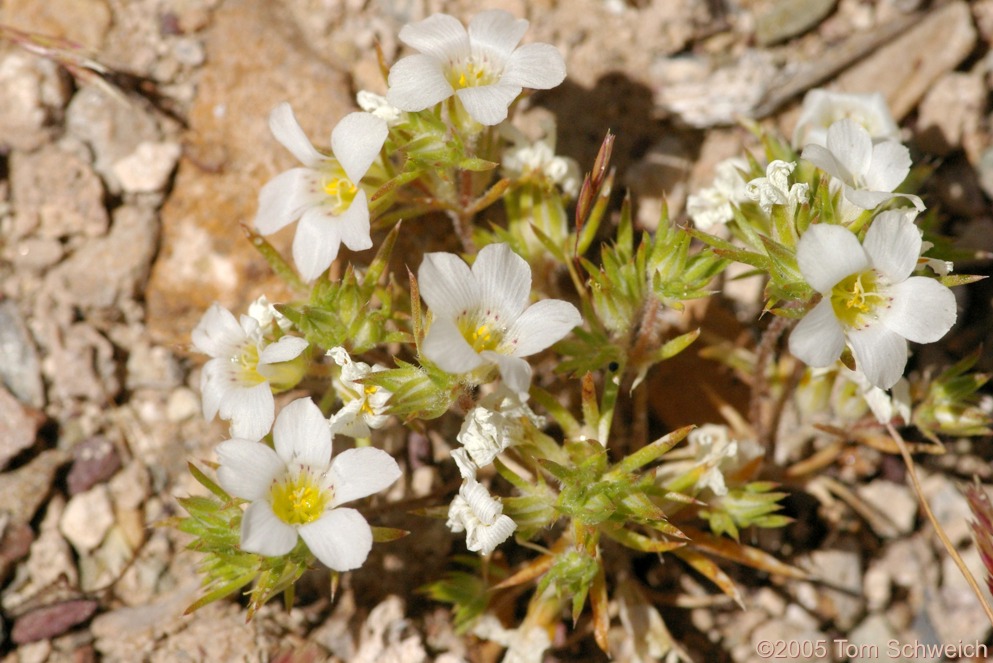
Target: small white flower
x=715, y=205
x=718, y=453
x=481, y=315
x=775, y=188
x=237, y=383
x=365, y=404
x=538, y=160
x=297, y=489
x=822, y=108
x=266, y=314
x=325, y=194
x=869, y=298
x=376, y=104
x=484, y=68
x=868, y=172
x=478, y=514
x=495, y=424
x=883, y=405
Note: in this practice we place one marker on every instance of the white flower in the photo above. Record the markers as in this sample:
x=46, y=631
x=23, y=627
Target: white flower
x=378, y=106
x=868, y=172
x=481, y=316
x=237, y=383
x=298, y=489
x=475, y=512
x=266, y=314
x=715, y=205
x=365, y=404
x=718, y=453
x=484, y=68
x=883, y=406
x=325, y=194
x=869, y=298
x=538, y=159
x=495, y=424
x=822, y=108
x=775, y=188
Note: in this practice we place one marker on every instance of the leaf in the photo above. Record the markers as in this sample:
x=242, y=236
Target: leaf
x=388, y=534
x=712, y=572
x=742, y=554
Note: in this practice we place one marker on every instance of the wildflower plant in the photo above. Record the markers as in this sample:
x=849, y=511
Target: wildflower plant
x=529, y=315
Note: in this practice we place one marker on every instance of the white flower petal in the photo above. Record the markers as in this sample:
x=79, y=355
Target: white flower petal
x=247, y=468
x=880, y=353
x=890, y=166
x=214, y=382
x=446, y=347
x=922, y=310
x=485, y=538
x=264, y=533
x=488, y=104
x=284, y=199
x=356, y=141
x=440, y=36
x=467, y=466
x=893, y=243
x=302, y=434
x=348, y=422
x=818, y=339
x=851, y=146
x=417, y=82
x=827, y=254
x=515, y=372
x=865, y=199
x=341, y=539
x=497, y=31
x=447, y=285
x=504, y=280
x=353, y=224
x=285, y=349
x=542, y=324
x=825, y=160
x=250, y=411
x=535, y=66
x=358, y=473
x=316, y=243
x=218, y=333
x=286, y=129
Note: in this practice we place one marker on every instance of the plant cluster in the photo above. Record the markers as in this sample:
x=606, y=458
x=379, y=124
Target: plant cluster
x=541, y=330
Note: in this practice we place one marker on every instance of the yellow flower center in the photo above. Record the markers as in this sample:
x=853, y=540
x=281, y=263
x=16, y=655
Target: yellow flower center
x=856, y=298
x=481, y=335
x=300, y=500
x=339, y=189
x=473, y=72
x=368, y=390
x=247, y=365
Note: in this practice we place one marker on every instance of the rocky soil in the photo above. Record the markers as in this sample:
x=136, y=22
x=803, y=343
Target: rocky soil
x=120, y=222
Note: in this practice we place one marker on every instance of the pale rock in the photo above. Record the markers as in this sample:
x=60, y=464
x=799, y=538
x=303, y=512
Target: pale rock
x=84, y=22
x=896, y=502
x=25, y=489
x=18, y=427
x=842, y=571
x=113, y=130
x=130, y=487
x=81, y=365
x=183, y=404
x=873, y=632
x=57, y=194
x=152, y=367
x=148, y=168
x=34, y=652
x=422, y=480
x=950, y=112
x=35, y=253
x=796, y=625
x=949, y=506
x=782, y=19
x=130, y=633
x=49, y=562
x=104, y=565
x=104, y=272
x=904, y=80
x=35, y=92
x=87, y=518
x=387, y=635
x=20, y=370
x=955, y=612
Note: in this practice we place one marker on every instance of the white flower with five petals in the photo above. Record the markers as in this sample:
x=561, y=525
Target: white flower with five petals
x=481, y=315
x=244, y=370
x=868, y=172
x=324, y=194
x=484, y=67
x=715, y=205
x=869, y=299
x=365, y=404
x=822, y=108
x=496, y=423
x=297, y=489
